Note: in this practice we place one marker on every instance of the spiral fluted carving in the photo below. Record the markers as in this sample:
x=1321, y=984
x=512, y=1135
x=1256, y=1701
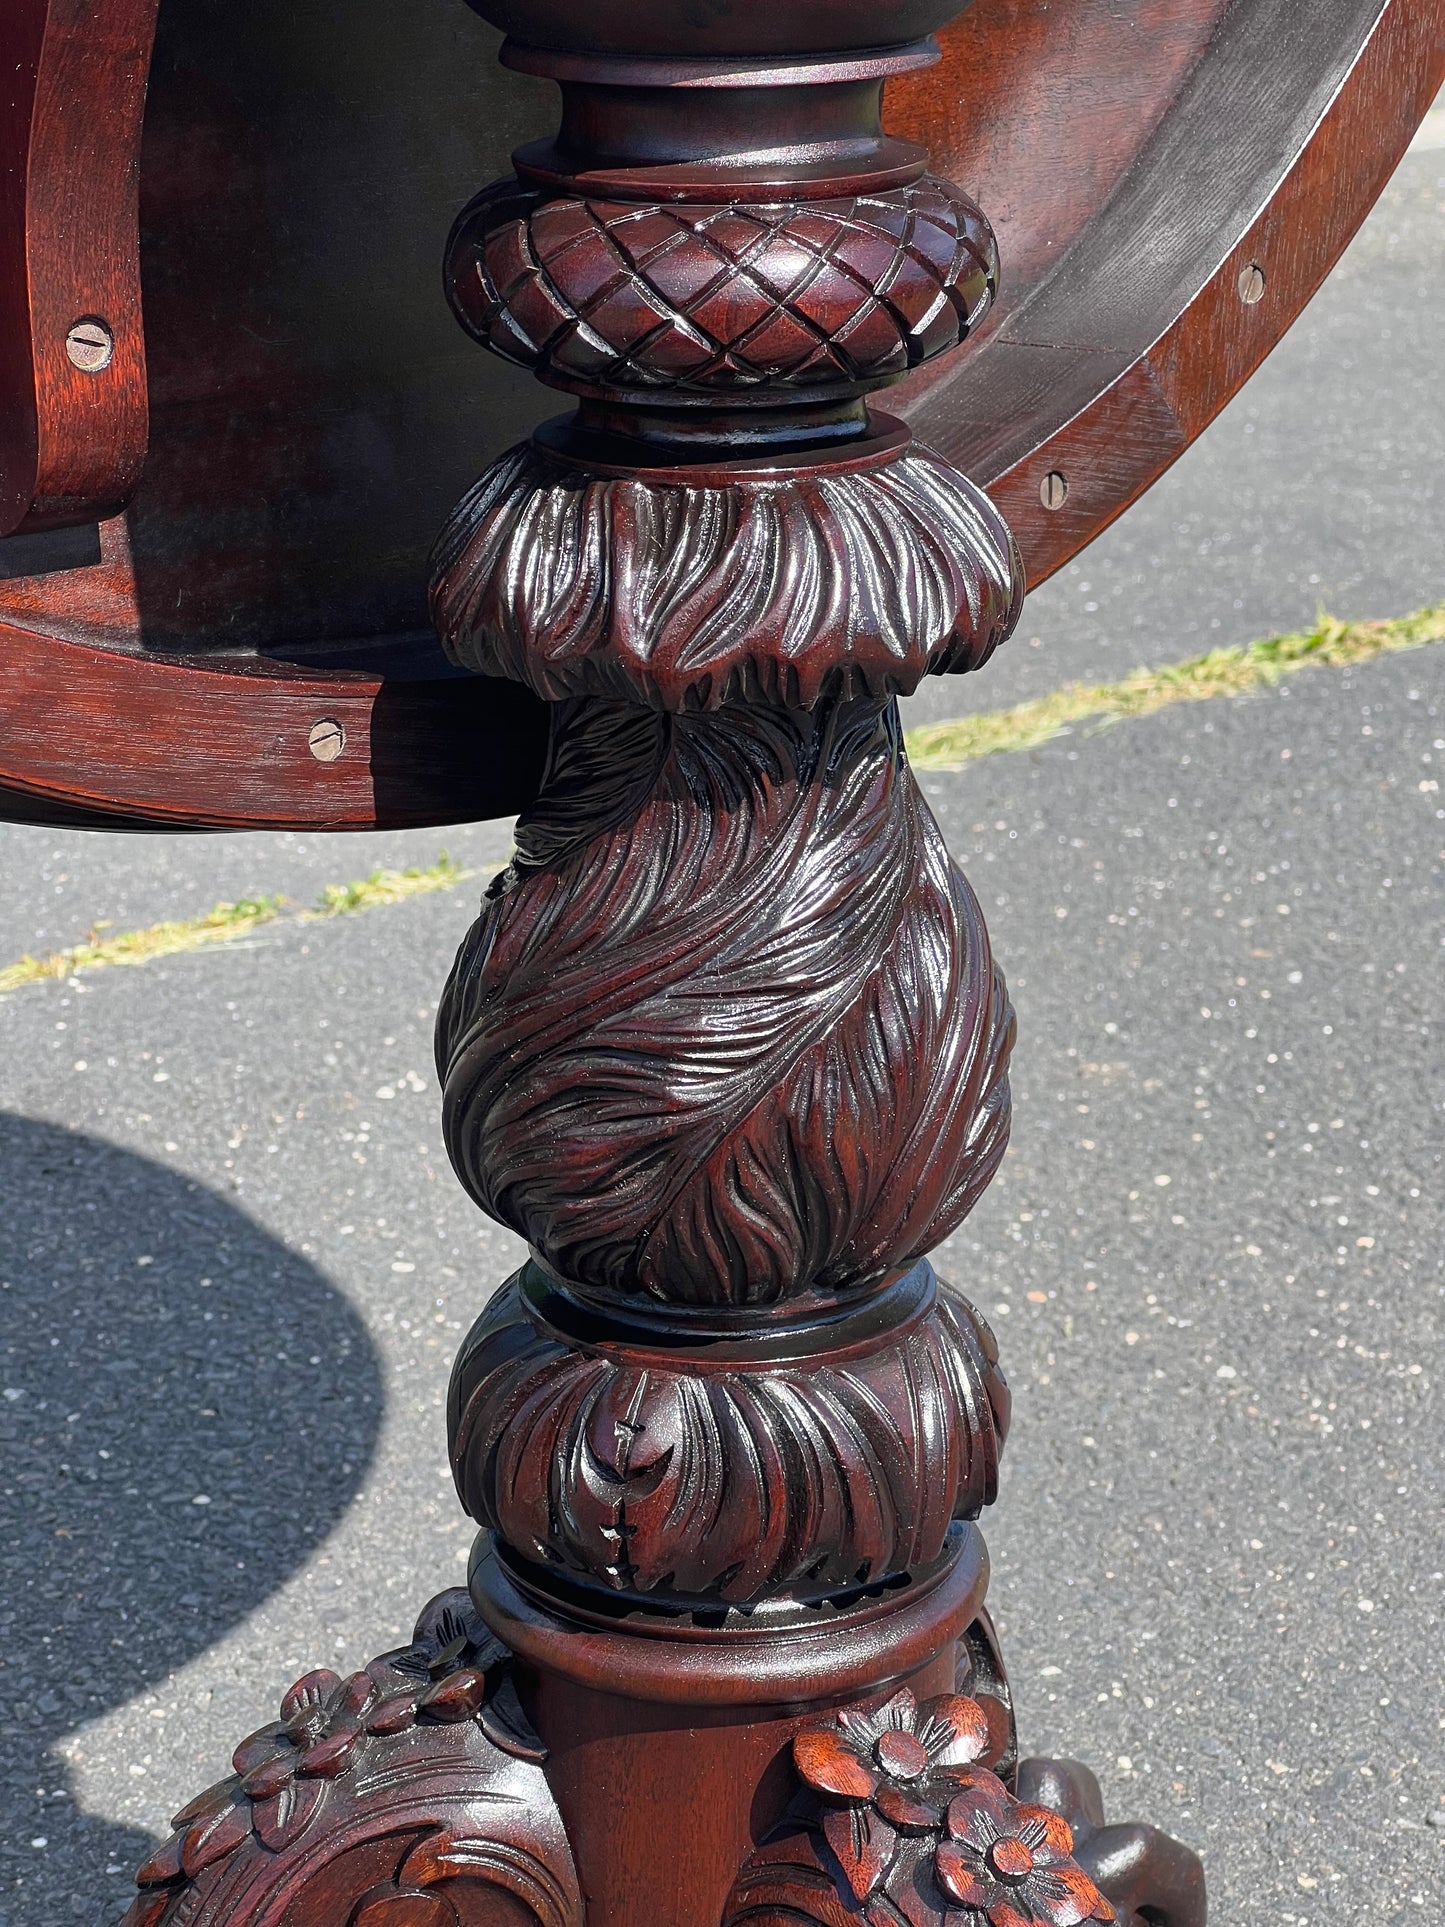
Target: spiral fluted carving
x=788, y=587
x=698, y=1478
x=734, y=1033
x=825, y=295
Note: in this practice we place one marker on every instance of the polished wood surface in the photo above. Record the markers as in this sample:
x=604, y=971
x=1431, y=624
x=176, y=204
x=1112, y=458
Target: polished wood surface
x=312, y=415
x=73, y=429
x=727, y=1047
x=1196, y=157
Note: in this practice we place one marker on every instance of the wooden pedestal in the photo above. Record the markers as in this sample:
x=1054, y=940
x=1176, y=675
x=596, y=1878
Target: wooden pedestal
x=727, y=1046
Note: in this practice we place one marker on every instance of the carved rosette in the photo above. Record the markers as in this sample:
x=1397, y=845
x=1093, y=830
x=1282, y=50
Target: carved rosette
x=407, y=1795
x=901, y=1822
x=809, y=1464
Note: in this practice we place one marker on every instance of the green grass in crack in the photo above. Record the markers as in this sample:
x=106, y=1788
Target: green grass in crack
x=223, y=924
x=228, y=921
x=1222, y=672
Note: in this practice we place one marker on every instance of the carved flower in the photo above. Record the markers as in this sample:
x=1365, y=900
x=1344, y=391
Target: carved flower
x=322, y=1721
x=283, y=1771
x=1013, y=1862
x=889, y=1772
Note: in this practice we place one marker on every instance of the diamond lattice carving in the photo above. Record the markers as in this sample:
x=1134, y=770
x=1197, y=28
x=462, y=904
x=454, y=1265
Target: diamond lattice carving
x=620, y=295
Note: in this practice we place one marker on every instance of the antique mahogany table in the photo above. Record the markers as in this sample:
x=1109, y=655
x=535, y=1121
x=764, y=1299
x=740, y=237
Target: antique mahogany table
x=726, y=1045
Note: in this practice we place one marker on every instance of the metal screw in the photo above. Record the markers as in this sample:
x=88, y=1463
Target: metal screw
x=1054, y=489
x=90, y=345
x=327, y=740
x=1251, y=284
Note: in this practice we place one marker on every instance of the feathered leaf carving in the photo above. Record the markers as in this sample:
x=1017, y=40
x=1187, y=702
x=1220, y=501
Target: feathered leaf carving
x=814, y=1476
x=733, y=1032
x=790, y=588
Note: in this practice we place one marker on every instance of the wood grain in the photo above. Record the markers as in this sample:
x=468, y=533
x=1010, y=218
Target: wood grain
x=1251, y=161
x=726, y=1046
x=207, y=744
x=72, y=440
x=409, y=1794
x=1132, y=160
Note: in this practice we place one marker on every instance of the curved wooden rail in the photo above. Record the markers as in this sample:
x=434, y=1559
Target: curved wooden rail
x=1171, y=180
x=1225, y=187
x=250, y=744
x=72, y=369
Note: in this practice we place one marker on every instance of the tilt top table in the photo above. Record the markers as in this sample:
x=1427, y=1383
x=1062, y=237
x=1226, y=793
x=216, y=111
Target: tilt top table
x=726, y=1046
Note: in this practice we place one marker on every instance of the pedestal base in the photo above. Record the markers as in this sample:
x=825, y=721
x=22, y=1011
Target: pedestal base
x=669, y=1739
x=608, y=1767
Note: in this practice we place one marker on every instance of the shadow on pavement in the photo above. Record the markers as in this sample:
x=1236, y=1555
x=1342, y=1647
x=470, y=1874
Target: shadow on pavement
x=186, y=1409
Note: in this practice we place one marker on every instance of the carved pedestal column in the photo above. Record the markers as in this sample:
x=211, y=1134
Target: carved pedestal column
x=728, y=1048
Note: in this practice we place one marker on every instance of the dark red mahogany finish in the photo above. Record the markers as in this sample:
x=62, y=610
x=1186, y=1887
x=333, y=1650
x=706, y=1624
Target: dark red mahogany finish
x=311, y=417
x=728, y=1048
x=72, y=417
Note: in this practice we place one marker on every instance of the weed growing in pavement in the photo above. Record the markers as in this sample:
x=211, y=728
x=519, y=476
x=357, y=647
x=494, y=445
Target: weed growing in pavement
x=1222, y=672
x=220, y=925
x=227, y=921
x=388, y=886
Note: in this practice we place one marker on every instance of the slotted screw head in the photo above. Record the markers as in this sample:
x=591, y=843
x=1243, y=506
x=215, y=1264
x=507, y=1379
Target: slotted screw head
x=326, y=740
x=1054, y=489
x=90, y=344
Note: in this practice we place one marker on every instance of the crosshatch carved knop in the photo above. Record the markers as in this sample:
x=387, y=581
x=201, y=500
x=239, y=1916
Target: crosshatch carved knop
x=812, y=295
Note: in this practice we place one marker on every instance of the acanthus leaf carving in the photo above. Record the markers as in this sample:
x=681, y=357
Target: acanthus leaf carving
x=862, y=1843
x=286, y=1814
x=789, y=586
x=704, y=1480
x=734, y=1034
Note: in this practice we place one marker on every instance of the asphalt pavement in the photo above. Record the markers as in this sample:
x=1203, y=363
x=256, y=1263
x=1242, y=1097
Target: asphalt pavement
x=234, y=1265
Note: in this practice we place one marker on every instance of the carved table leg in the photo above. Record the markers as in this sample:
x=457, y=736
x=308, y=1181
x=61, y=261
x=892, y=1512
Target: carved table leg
x=408, y=1795
x=728, y=1048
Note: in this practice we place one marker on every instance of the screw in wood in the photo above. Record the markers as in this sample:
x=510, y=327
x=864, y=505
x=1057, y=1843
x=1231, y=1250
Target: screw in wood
x=90, y=344
x=326, y=740
x=1054, y=489
x=1251, y=284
